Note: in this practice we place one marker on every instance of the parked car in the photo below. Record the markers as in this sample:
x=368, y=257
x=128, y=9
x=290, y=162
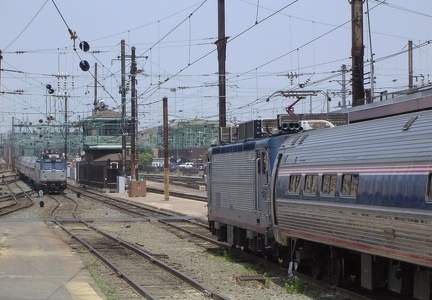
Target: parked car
x=187, y=165
x=173, y=167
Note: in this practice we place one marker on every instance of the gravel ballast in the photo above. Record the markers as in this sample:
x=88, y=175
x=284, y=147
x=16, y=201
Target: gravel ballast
x=217, y=272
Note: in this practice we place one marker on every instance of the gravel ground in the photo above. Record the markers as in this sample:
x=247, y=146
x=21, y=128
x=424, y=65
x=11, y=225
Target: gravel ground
x=216, y=272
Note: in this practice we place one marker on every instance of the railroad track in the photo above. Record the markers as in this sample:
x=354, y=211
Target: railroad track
x=186, y=181
x=130, y=207
x=178, y=194
x=199, y=234
x=17, y=197
x=65, y=206
x=127, y=261
x=158, y=281
x=64, y=214
x=175, y=221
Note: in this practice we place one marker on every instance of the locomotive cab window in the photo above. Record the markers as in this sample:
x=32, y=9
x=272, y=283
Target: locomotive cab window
x=262, y=162
x=328, y=186
x=349, y=184
x=429, y=188
x=311, y=183
x=294, y=184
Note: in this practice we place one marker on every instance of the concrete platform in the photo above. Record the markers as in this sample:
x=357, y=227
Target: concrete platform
x=192, y=208
x=35, y=264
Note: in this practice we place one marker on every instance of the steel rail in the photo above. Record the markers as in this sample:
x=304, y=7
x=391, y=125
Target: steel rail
x=118, y=271
x=190, y=281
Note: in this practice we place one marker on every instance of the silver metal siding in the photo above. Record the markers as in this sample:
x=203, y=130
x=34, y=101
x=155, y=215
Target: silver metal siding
x=233, y=180
x=382, y=141
x=399, y=234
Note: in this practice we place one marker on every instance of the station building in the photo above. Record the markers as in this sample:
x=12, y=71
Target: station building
x=102, y=161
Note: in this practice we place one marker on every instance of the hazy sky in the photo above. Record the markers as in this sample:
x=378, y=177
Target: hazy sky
x=272, y=45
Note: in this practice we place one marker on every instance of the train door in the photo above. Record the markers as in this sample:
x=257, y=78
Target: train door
x=262, y=182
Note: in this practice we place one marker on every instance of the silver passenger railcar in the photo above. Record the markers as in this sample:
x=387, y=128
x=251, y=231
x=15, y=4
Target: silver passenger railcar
x=355, y=202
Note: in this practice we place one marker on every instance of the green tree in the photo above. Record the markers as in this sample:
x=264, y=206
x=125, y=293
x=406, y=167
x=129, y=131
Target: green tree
x=145, y=156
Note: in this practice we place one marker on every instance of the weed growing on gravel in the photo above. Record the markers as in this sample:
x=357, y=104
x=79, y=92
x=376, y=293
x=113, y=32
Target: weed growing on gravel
x=109, y=291
x=226, y=257
x=295, y=286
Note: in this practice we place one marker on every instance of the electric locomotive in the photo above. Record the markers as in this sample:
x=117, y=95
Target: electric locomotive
x=46, y=172
x=239, y=186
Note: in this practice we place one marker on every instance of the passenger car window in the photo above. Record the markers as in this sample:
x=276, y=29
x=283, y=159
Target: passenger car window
x=328, y=186
x=311, y=182
x=349, y=184
x=294, y=184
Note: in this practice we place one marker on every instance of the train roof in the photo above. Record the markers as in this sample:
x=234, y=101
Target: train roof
x=269, y=142
x=381, y=140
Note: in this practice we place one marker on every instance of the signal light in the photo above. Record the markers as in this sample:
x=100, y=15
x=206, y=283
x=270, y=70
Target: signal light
x=50, y=89
x=84, y=65
x=84, y=46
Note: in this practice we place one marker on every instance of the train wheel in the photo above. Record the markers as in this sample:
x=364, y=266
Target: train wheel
x=336, y=267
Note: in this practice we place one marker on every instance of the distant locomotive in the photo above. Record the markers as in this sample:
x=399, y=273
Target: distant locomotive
x=46, y=173
x=351, y=203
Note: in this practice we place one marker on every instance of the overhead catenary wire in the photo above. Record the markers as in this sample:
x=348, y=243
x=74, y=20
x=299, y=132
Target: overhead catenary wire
x=239, y=77
x=22, y=31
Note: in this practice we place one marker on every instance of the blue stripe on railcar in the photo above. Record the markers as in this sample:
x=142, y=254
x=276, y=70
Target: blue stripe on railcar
x=385, y=190
x=399, y=190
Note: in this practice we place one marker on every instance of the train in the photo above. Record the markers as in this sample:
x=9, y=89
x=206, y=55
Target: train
x=46, y=172
x=351, y=204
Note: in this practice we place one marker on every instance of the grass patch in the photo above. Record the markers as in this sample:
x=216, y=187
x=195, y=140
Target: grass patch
x=226, y=257
x=295, y=286
x=246, y=268
x=109, y=291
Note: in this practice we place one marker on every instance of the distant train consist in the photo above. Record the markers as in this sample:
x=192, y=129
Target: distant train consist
x=352, y=203
x=46, y=173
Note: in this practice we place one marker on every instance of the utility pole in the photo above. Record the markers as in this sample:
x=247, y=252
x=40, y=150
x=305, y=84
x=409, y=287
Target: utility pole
x=221, y=50
x=11, y=163
x=410, y=65
x=344, y=89
x=134, y=108
x=95, y=89
x=357, y=52
x=123, y=104
x=66, y=127
x=133, y=71
x=1, y=58
x=165, y=147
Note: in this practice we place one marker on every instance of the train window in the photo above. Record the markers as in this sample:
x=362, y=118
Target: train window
x=310, y=185
x=294, y=184
x=328, y=186
x=264, y=162
x=349, y=184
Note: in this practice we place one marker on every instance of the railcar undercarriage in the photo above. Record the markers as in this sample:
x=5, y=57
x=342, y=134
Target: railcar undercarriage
x=346, y=268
